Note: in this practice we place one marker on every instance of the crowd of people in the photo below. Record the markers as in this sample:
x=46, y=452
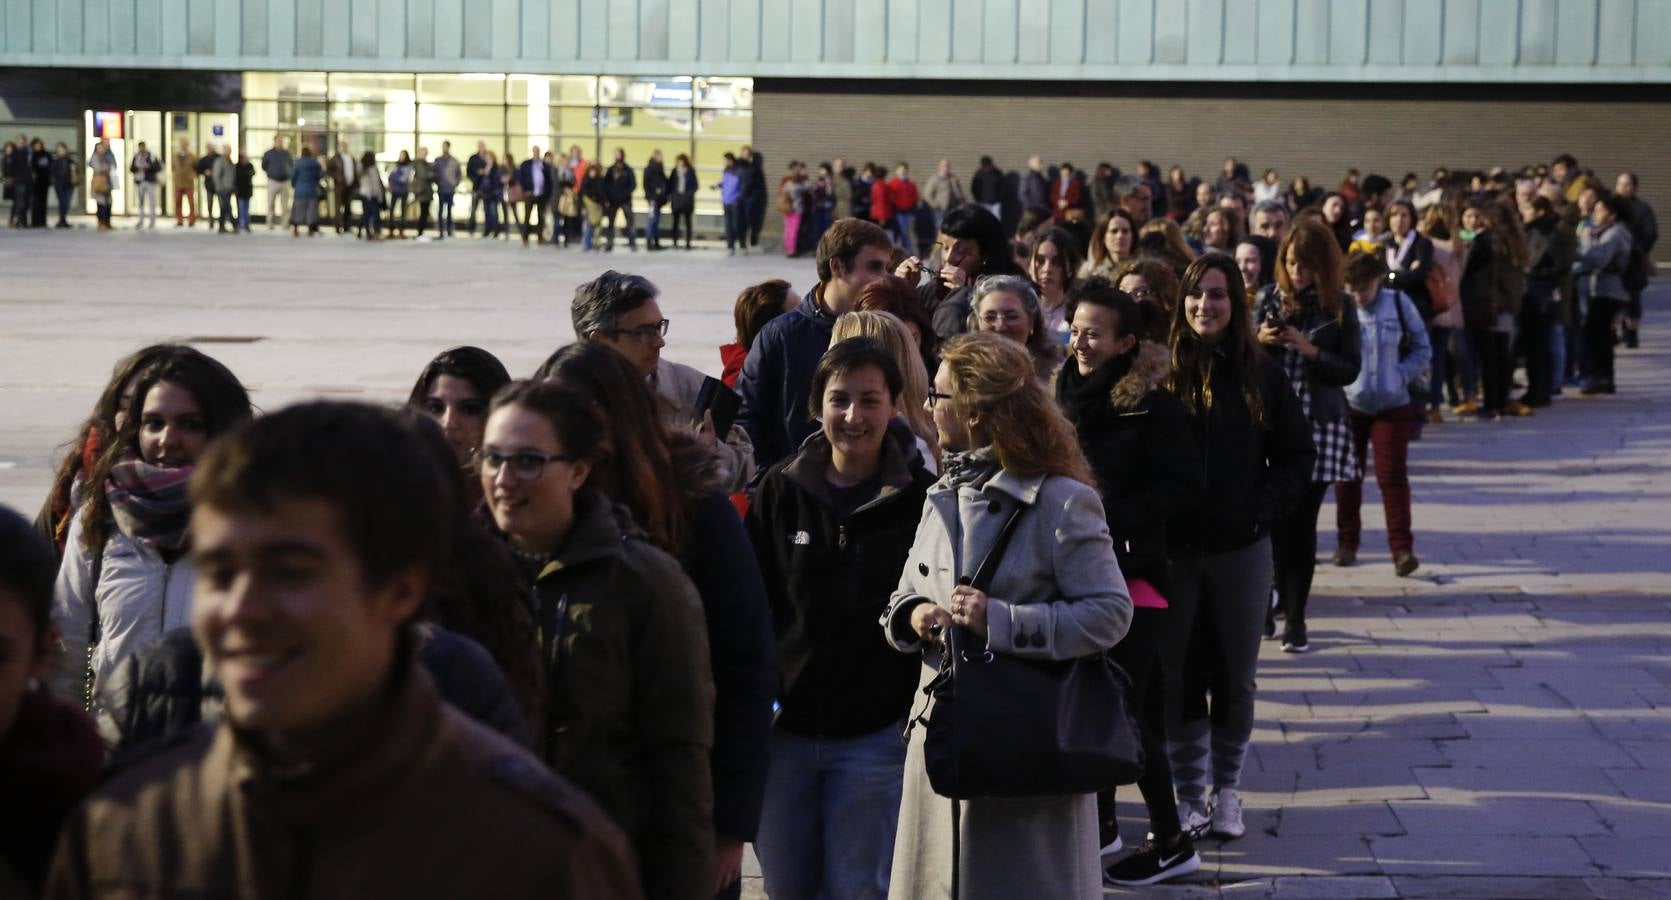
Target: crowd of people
x=591, y=632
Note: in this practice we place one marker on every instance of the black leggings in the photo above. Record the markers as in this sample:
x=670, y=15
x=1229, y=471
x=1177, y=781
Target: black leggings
x=1598, y=337
x=1138, y=653
x=1294, y=551
x=690, y=230
x=1495, y=351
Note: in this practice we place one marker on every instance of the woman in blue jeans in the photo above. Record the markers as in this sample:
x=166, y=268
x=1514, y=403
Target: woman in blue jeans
x=731, y=190
x=831, y=527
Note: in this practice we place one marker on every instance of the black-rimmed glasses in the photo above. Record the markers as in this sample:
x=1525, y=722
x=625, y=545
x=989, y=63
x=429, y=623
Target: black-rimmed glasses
x=525, y=466
x=646, y=333
x=935, y=396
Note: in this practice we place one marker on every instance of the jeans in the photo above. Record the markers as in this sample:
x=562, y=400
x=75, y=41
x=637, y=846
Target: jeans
x=148, y=202
x=397, y=210
x=652, y=225
x=588, y=234
x=243, y=214
x=1139, y=654
x=734, y=226
x=904, y=221
x=1557, y=357
x=1214, y=627
x=444, y=215
x=475, y=201
x=1439, y=338
x=829, y=816
x=1463, y=367
x=490, y=212
x=278, y=202
x=65, y=192
x=371, y=216
x=1598, y=337
x=1388, y=433
x=226, y=214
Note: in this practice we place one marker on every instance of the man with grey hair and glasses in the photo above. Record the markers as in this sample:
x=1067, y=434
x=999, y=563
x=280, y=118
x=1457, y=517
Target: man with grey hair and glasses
x=621, y=311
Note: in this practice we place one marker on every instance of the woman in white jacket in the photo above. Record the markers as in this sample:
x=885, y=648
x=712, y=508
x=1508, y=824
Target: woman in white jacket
x=125, y=580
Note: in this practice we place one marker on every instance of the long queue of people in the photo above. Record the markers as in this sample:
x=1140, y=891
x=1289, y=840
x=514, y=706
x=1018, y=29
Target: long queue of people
x=549, y=198
x=631, y=627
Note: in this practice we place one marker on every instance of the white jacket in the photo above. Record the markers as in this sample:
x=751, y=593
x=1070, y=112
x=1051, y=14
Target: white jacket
x=139, y=597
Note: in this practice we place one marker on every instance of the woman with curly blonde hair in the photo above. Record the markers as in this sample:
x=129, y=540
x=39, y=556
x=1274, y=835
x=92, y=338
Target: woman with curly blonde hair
x=1057, y=594
x=889, y=330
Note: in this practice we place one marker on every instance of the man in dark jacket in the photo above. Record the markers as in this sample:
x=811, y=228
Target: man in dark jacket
x=536, y=178
x=205, y=169
x=277, y=164
x=337, y=757
x=986, y=187
x=1034, y=189
x=1644, y=233
x=655, y=194
x=619, y=184
x=755, y=188
x=475, y=170
x=777, y=376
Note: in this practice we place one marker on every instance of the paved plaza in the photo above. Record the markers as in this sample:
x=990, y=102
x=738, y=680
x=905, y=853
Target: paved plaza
x=1497, y=726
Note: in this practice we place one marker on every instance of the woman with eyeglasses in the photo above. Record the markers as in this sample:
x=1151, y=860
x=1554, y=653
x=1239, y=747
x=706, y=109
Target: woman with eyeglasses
x=1009, y=305
x=1057, y=593
x=1150, y=281
x=831, y=527
x=669, y=482
x=1255, y=447
x=630, y=692
x=454, y=390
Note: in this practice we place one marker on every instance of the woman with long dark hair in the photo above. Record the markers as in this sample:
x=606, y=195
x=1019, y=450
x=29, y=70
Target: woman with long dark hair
x=110, y=413
x=1137, y=439
x=1307, y=323
x=1256, y=456
x=1112, y=243
x=454, y=390
x=126, y=578
x=668, y=481
x=1054, y=266
x=1492, y=289
x=1057, y=594
x=629, y=715
x=971, y=245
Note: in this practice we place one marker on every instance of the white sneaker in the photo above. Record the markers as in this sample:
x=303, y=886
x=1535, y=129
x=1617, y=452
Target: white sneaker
x=1193, y=819
x=1227, y=814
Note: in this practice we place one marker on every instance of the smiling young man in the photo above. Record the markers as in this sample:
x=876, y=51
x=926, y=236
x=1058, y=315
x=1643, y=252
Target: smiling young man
x=777, y=377
x=338, y=771
x=831, y=527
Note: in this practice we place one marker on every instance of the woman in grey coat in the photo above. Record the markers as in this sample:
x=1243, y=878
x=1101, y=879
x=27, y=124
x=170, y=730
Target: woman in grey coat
x=1057, y=594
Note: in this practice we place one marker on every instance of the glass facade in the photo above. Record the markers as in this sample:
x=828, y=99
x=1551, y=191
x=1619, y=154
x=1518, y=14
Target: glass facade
x=389, y=113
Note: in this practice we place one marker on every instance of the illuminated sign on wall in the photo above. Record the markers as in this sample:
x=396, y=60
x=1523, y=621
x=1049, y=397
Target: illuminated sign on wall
x=107, y=125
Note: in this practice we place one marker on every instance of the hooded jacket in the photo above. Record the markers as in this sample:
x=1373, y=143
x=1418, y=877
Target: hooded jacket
x=777, y=379
x=1252, y=472
x=1137, y=439
x=138, y=596
x=828, y=580
x=631, y=713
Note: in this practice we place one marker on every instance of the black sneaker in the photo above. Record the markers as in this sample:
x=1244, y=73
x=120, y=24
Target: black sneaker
x=1294, y=639
x=1152, y=864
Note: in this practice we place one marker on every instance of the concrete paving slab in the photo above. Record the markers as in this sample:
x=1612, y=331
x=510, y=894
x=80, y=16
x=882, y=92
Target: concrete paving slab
x=1494, y=888
x=1429, y=854
x=1494, y=815
x=1629, y=857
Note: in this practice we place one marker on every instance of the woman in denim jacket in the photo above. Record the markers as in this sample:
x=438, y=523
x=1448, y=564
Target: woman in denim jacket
x=1385, y=402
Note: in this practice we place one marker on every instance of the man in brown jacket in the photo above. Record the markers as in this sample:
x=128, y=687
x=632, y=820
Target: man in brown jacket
x=182, y=174
x=338, y=772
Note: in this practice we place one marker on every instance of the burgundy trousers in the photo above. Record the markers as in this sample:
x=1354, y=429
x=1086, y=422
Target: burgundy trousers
x=1388, y=434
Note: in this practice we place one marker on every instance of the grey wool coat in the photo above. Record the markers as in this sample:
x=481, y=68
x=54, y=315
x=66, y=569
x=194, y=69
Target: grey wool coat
x=1058, y=594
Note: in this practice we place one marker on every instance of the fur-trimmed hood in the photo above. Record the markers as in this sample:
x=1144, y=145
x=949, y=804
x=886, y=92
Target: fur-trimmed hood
x=1149, y=368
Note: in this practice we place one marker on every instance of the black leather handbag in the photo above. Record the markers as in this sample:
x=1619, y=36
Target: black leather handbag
x=1002, y=726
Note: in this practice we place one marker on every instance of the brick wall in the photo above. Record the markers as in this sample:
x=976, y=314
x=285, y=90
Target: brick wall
x=1313, y=130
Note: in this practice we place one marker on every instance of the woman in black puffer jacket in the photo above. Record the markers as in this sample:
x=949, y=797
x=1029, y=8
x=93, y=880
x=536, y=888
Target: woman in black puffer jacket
x=1137, y=438
x=1303, y=323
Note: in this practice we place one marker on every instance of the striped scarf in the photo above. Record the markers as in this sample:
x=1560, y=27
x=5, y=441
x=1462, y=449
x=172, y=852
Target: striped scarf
x=149, y=503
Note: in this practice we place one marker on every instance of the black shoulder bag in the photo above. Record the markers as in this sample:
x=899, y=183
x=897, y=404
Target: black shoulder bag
x=1003, y=726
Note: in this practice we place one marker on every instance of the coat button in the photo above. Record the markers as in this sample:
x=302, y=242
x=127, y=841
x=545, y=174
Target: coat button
x=994, y=506
x=1021, y=641
x=1038, y=639
x=922, y=568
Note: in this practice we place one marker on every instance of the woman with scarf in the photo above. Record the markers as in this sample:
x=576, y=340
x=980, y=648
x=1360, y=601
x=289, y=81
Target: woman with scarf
x=69, y=483
x=126, y=579
x=1136, y=436
x=1057, y=594
x=1306, y=322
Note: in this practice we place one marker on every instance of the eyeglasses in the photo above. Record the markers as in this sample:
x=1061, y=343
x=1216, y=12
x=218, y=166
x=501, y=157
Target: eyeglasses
x=645, y=334
x=524, y=466
x=1008, y=318
x=1142, y=293
x=935, y=396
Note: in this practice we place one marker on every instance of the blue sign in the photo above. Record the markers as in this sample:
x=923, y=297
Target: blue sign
x=220, y=130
